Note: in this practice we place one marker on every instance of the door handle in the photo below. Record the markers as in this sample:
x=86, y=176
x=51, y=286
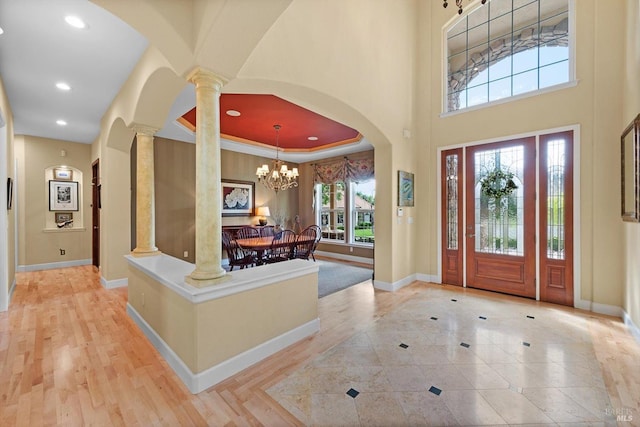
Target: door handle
x=471, y=235
x=95, y=227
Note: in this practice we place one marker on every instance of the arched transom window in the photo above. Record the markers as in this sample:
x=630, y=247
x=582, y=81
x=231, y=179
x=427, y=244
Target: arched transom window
x=507, y=48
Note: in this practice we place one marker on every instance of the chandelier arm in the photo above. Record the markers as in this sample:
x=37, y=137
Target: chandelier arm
x=280, y=177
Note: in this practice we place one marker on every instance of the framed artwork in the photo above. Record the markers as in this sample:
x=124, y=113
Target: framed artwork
x=63, y=195
x=238, y=198
x=61, y=174
x=630, y=153
x=64, y=216
x=405, y=188
x=64, y=219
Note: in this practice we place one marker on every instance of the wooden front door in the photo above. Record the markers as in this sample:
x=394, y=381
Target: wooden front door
x=510, y=239
x=500, y=224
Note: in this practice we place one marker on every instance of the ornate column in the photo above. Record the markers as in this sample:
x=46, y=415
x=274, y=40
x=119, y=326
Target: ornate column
x=208, y=185
x=145, y=193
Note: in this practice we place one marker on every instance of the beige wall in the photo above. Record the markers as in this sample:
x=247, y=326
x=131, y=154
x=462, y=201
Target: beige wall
x=594, y=105
x=9, y=257
x=343, y=77
x=376, y=66
x=206, y=334
x=40, y=240
x=631, y=90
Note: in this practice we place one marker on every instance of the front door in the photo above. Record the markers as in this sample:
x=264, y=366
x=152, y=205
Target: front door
x=500, y=217
x=510, y=238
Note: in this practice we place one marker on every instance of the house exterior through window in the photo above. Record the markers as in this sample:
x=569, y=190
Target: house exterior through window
x=507, y=48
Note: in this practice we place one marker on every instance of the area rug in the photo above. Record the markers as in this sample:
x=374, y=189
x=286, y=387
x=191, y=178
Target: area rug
x=335, y=276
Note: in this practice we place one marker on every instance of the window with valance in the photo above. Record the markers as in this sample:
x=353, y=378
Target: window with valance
x=344, y=193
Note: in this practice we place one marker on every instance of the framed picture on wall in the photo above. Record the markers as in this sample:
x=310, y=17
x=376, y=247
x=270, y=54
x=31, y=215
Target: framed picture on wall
x=64, y=219
x=238, y=198
x=405, y=188
x=63, y=195
x=62, y=174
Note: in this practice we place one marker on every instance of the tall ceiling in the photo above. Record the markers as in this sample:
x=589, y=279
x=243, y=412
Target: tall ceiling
x=39, y=49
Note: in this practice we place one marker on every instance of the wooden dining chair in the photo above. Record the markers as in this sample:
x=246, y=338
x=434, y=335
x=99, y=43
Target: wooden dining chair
x=307, y=242
x=237, y=257
x=247, y=232
x=281, y=247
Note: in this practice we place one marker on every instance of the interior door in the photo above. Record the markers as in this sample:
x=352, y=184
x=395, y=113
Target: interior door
x=500, y=224
x=95, y=212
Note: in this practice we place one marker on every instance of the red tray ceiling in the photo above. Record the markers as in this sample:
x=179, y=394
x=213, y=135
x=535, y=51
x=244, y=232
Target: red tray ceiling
x=258, y=115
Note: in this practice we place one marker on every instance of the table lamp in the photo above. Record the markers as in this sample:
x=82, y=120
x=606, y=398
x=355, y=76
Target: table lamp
x=263, y=212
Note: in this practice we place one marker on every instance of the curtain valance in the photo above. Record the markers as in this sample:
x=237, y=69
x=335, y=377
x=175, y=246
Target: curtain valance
x=344, y=170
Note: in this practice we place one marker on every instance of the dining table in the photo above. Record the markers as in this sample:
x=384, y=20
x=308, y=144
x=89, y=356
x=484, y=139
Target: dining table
x=263, y=243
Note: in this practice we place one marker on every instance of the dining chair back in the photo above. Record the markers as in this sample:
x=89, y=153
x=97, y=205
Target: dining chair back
x=247, y=232
x=307, y=242
x=237, y=257
x=282, y=246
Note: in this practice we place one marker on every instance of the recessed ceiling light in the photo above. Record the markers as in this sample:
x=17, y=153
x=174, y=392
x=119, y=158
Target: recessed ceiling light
x=233, y=113
x=312, y=138
x=75, y=22
x=63, y=86
x=61, y=122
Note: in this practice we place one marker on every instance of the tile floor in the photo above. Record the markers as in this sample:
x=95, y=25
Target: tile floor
x=447, y=358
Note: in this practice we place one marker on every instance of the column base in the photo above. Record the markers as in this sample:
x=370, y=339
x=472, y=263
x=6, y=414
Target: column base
x=206, y=281
x=145, y=252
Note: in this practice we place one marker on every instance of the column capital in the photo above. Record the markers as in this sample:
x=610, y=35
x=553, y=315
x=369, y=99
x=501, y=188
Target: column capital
x=203, y=77
x=144, y=129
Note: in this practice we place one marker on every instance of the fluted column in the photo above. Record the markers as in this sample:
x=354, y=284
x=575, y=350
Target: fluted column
x=208, y=180
x=145, y=193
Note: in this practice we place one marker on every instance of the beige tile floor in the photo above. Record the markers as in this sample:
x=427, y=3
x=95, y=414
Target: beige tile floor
x=451, y=358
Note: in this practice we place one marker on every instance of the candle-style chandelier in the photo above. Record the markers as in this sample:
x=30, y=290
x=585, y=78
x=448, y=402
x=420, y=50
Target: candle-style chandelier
x=459, y=4
x=281, y=177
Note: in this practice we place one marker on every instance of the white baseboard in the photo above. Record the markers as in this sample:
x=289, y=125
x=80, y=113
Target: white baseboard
x=53, y=265
x=214, y=375
x=112, y=284
x=392, y=287
x=345, y=257
x=635, y=331
x=431, y=278
x=596, y=307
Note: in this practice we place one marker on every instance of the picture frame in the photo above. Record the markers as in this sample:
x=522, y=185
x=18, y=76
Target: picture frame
x=238, y=198
x=405, y=188
x=63, y=195
x=62, y=174
x=630, y=178
x=63, y=217
x=9, y=193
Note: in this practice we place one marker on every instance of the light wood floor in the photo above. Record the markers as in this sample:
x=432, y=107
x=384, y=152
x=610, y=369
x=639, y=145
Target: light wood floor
x=70, y=355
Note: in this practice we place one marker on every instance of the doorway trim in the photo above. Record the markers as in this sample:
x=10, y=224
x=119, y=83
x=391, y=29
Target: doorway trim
x=577, y=300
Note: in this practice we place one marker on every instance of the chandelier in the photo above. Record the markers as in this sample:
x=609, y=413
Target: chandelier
x=459, y=4
x=281, y=177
